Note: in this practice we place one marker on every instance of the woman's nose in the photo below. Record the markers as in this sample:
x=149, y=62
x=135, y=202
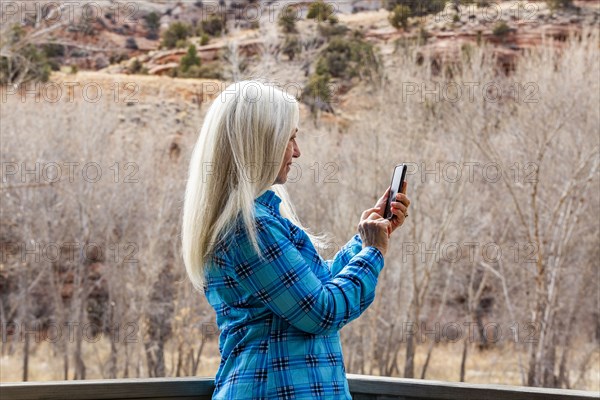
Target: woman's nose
x=296, y=151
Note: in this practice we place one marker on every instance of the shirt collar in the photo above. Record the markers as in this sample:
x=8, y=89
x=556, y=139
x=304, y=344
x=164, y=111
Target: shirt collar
x=269, y=199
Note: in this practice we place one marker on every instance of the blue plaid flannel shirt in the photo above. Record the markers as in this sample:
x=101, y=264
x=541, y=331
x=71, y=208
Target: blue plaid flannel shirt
x=279, y=319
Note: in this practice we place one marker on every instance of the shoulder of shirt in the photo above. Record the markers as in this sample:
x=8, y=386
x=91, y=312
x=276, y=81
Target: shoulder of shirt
x=264, y=217
x=265, y=212
x=268, y=203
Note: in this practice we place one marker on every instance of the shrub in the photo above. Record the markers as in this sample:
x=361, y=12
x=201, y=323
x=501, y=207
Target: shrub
x=195, y=71
x=54, y=65
x=190, y=59
x=399, y=16
x=417, y=7
x=136, y=67
x=213, y=25
x=176, y=33
x=30, y=64
x=291, y=46
x=152, y=21
x=114, y=58
x=182, y=43
x=344, y=58
x=558, y=4
x=317, y=88
x=204, y=39
x=321, y=12
x=131, y=44
x=53, y=53
x=15, y=34
x=78, y=53
x=53, y=49
x=501, y=29
x=287, y=19
x=24, y=63
x=329, y=31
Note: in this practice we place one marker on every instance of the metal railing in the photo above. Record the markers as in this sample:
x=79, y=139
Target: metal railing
x=362, y=387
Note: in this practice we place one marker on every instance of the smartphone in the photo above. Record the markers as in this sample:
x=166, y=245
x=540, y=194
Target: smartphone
x=398, y=178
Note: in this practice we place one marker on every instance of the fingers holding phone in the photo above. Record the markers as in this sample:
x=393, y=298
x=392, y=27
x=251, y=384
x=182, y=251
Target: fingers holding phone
x=375, y=231
x=396, y=210
x=400, y=203
x=398, y=179
x=382, y=202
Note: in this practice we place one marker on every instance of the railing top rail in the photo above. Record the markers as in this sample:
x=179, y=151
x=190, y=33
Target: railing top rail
x=429, y=389
x=202, y=387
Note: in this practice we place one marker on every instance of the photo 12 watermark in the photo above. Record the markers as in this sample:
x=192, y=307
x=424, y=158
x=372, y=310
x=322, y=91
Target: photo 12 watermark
x=68, y=171
x=251, y=92
x=35, y=251
x=491, y=11
x=69, y=12
x=470, y=251
x=71, y=92
x=472, y=332
x=472, y=171
x=317, y=172
x=454, y=92
x=69, y=332
x=130, y=13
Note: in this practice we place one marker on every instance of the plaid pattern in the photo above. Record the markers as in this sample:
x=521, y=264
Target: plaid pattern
x=279, y=317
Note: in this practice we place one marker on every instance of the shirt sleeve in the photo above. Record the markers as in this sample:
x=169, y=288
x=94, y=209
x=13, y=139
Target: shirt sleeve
x=286, y=284
x=343, y=257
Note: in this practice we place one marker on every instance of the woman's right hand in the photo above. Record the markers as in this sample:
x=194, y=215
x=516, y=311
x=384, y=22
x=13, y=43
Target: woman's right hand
x=374, y=230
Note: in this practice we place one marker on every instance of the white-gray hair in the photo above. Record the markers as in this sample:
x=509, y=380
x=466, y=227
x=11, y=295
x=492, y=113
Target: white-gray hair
x=237, y=157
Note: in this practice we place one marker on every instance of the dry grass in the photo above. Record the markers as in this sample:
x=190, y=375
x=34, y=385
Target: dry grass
x=494, y=366
x=43, y=362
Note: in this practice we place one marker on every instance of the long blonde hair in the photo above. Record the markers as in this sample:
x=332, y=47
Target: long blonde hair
x=237, y=157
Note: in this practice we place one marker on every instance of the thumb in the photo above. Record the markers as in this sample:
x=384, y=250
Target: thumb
x=388, y=226
x=367, y=213
x=383, y=199
x=374, y=215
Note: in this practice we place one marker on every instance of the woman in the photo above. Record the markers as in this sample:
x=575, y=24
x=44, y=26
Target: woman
x=279, y=305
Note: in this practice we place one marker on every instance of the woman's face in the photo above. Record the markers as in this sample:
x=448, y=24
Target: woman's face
x=292, y=151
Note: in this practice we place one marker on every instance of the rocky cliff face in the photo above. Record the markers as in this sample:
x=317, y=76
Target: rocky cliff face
x=119, y=35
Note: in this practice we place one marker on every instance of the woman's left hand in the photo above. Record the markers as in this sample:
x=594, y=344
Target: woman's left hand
x=399, y=207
